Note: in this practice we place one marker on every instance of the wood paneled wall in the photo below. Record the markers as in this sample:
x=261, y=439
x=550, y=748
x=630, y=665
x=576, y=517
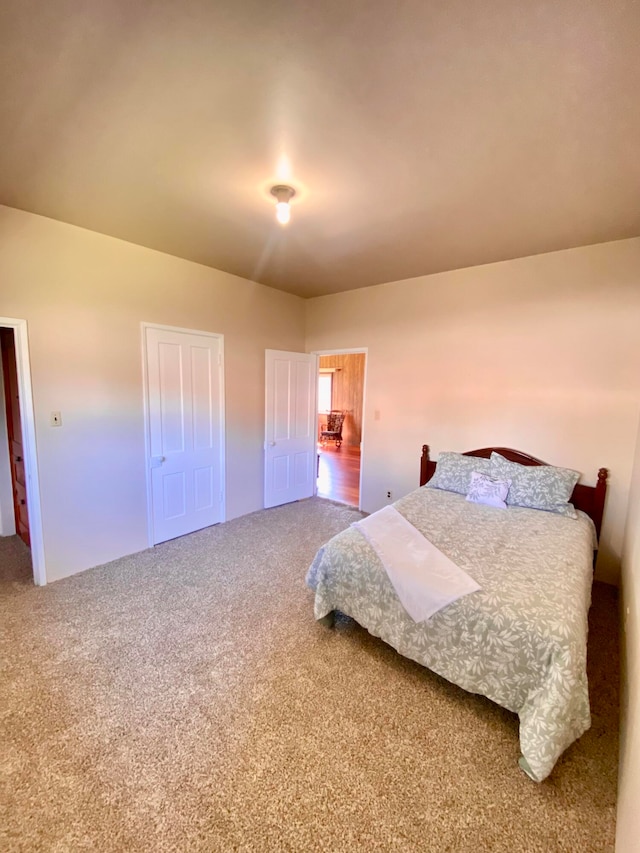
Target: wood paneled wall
x=347, y=392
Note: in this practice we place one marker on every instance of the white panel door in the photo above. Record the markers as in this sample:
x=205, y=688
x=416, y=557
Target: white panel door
x=290, y=427
x=184, y=375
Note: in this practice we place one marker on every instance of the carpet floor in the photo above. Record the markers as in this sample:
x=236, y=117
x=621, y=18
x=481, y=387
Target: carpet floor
x=184, y=699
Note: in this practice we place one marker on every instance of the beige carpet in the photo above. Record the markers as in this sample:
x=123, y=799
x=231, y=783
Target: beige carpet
x=184, y=699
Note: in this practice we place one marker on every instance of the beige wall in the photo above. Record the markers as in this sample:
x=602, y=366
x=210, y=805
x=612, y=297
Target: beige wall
x=628, y=823
x=540, y=353
x=84, y=296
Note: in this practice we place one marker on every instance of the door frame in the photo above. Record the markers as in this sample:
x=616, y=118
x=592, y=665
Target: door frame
x=349, y=351
x=29, y=446
x=147, y=423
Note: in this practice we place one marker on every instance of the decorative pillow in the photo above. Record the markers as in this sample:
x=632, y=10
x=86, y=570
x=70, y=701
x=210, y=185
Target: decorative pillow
x=484, y=490
x=453, y=472
x=543, y=487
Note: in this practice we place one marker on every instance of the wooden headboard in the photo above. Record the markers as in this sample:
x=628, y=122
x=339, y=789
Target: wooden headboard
x=589, y=499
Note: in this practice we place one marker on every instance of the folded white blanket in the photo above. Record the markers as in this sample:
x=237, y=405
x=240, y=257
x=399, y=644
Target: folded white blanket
x=424, y=578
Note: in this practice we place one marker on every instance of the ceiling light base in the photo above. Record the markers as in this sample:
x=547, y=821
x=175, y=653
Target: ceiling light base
x=283, y=193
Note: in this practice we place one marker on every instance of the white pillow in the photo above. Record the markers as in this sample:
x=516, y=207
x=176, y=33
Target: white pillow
x=484, y=490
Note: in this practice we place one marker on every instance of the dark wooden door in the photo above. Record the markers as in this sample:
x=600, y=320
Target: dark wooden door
x=14, y=430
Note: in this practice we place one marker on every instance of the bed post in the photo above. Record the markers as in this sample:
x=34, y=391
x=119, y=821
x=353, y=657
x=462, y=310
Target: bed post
x=598, y=499
x=424, y=459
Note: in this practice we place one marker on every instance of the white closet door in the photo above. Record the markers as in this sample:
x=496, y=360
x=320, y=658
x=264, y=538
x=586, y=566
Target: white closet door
x=184, y=372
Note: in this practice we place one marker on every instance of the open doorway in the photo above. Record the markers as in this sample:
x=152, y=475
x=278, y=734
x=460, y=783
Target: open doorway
x=341, y=379
x=12, y=450
x=20, y=517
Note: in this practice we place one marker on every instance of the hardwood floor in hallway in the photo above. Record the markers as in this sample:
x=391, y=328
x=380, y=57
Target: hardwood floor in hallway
x=339, y=474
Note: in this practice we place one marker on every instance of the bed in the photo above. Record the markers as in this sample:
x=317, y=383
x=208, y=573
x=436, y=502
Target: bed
x=521, y=639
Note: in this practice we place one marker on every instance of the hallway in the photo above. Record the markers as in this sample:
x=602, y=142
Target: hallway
x=339, y=474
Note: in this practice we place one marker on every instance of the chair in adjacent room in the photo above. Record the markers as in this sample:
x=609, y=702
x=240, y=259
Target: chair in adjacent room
x=332, y=430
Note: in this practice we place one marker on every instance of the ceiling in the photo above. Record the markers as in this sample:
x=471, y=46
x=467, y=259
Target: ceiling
x=420, y=135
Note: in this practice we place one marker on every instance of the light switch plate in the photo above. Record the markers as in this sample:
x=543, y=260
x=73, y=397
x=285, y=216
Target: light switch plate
x=56, y=419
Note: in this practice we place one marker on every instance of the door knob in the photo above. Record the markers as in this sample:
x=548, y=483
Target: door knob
x=272, y=444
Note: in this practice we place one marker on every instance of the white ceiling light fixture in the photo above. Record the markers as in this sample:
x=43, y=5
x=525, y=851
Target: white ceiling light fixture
x=283, y=195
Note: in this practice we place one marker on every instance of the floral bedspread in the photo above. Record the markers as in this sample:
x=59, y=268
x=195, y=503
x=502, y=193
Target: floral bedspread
x=521, y=640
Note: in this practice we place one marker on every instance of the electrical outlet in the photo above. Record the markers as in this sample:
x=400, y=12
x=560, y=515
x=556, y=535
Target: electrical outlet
x=389, y=495
x=56, y=419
